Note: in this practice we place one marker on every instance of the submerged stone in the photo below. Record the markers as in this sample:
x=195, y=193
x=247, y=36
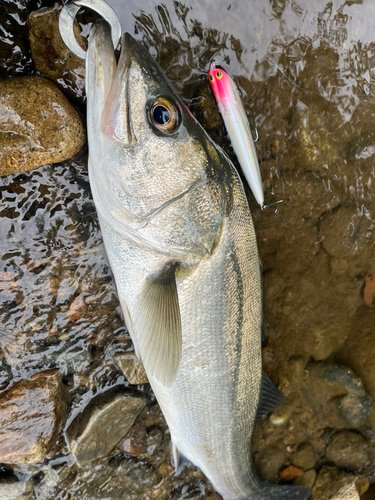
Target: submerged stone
x=333, y=484
x=269, y=461
x=347, y=449
x=38, y=126
x=50, y=56
x=102, y=423
x=132, y=368
x=336, y=396
x=305, y=457
x=31, y=415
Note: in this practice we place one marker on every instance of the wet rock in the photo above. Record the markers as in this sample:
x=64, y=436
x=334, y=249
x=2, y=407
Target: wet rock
x=290, y=472
x=305, y=457
x=154, y=441
x=347, y=449
x=31, y=415
x=282, y=414
x=50, y=56
x=333, y=484
x=39, y=125
x=269, y=461
x=131, y=367
x=358, y=351
x=13, y=489
x=306, y=479
x=336, y=396
x=135, y=440
x=102, y=423
x=77, y=309
x=76, y=360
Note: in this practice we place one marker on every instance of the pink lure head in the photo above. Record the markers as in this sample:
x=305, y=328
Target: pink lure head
x=220, y=83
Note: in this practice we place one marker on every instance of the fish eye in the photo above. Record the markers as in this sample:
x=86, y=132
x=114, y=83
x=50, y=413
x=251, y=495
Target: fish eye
x=211, y=78
x=219, y=75
x=164, y=116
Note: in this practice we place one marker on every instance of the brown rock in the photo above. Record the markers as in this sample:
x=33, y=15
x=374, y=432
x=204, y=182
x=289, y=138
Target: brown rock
x=50, y=56
x=38, y=126
x=290, y=473
x=369, y=290
x=135, y=440
x=31, y=415
x=347, y=449
x=103, y=422
x=131, y=367
x=77, y=309
x=333, y=484
x=305, y=457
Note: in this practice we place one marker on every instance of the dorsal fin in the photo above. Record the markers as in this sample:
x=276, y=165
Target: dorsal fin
x=270, y=397
x=157, y=327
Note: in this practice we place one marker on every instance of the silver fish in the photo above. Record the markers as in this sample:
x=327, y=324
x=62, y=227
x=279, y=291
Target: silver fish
x=181, y=243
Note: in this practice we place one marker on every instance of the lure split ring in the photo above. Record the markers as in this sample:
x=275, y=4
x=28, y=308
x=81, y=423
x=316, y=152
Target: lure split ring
x=66, y=22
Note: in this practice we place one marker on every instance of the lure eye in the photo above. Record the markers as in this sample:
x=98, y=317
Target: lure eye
x=219, y=75
x=164, y=116
x=211, y=78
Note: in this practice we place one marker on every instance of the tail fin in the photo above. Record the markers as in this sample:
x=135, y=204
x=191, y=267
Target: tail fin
x=281, y=492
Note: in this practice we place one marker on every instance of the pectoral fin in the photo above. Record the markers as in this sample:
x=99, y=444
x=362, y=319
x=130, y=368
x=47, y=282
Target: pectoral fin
x=157, y=327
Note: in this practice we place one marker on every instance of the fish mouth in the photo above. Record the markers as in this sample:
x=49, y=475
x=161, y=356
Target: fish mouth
x=116, y=118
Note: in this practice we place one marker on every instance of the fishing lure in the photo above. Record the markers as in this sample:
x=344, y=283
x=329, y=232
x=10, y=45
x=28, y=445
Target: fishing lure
x=238, y=128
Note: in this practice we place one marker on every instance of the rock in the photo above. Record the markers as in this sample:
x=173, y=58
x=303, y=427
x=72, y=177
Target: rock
x=306, y=479
x=50, y=56
x=305, y=457
x=358, y=351
x=269, y=461
x=102, y=423
x=336, y=396
x=77, y=309
x=347, y=449
x=154, y=441
x=333, y=484
x=13, y=489
x=290, y=472
x=76, y=360
x=282, y=414
x=369, y=290
x=135, y=440
x=131, y=367
x=31, y=415
x=38, y=126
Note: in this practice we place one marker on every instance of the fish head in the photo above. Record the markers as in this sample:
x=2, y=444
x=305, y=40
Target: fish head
x=150, y=162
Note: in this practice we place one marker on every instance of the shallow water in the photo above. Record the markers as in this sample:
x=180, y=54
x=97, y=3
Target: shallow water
x=306, y=72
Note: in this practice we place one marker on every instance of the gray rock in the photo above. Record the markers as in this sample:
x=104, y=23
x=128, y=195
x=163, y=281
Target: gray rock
x=305, y=457
x=347, y=449
x=13, y=489
x=131, y=367
x=269, y=461
x=333, y=484
x=306, y=479
x=102, y=424
x=336, y=396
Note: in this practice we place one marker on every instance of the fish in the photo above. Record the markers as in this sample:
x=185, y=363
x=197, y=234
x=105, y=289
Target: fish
x=237, y=125
x=181, y=244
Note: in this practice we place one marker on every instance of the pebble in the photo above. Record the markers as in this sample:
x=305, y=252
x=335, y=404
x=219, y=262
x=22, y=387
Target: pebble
x=131, y=367
x=31, y=415
x=305, y=457
x=336, y=396
x=77, y=309
x=333, y=484
x=50, y=56
x=269, y=461
x=306, y=479
x=290, y=472
x=38, y=125
x=135, y=440
x=102, y=423
x=154, y=441
x=347, y=449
